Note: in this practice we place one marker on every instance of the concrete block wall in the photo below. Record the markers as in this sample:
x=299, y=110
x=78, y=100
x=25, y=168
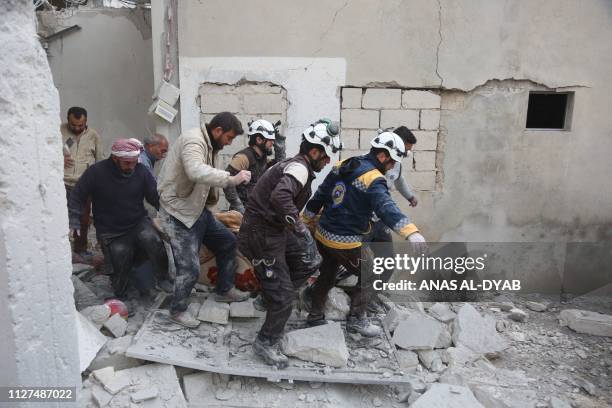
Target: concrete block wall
x=247, y=101
x=365, y=110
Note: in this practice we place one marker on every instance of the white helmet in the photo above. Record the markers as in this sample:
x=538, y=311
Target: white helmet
x=263, y=128
x=324, y=133
x=391, y=143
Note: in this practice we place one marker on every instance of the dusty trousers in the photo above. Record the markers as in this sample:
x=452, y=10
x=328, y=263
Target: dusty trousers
x=353, y=260
x=281, y=267
x=122, y=251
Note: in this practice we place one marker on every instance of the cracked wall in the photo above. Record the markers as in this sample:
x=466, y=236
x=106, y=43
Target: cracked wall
x=105, y=67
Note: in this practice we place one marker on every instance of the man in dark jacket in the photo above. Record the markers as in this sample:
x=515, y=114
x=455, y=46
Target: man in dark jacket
x=117, y=186
x=272, y=235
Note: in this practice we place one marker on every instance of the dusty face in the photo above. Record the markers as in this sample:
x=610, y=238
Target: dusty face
x=77, y=126
x=159, y=150
x=126, y=166
x=221, y=138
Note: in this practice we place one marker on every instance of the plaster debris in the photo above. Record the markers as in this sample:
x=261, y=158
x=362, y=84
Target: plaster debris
x=104, y=375
x=536, y=306
x=584, y=321
x=321, y=344
x=447, y=396
x=431, y=360
x=116, y=325
x=558, y=403
x=214, y=312
x=417, y=332
x=90, y=341
x=442, y=312
x=113, y=354
x=337, y=305
x=477, y=333
x=100, y=395
x=444, y=340
x=143, y=395
x=408, y=360
x=83, y=296
x=243, y=309
x=517, y=315
x=97, y=314
x=395, y=315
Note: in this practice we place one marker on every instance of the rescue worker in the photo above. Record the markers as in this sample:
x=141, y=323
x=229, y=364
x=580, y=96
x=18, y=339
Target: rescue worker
x=353, y=190
x=264, y=139
x=273, y=236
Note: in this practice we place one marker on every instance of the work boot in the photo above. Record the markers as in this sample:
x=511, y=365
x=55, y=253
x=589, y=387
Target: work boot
x=270, y=352
x=259, y=303
x=361, y=325
x=232, y=295
x=314, y=320
x=185, y=318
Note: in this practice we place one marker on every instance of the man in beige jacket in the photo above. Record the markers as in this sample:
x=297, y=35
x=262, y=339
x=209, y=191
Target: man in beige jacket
x=82, y=148
x=187, y=185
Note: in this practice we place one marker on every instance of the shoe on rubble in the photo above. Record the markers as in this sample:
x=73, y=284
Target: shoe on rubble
x=315, y=320
x=259, y=303
x=232, y=295
x=306, y=298
x=185, y=318
x=270, y=352
x=361, y=325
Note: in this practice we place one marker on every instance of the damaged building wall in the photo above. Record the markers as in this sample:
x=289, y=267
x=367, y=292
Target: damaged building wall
x=38, y=340
x=105, y=67
x=494, y=179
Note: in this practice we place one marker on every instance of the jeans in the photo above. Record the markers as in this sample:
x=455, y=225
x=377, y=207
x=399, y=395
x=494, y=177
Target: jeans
x=186, y=244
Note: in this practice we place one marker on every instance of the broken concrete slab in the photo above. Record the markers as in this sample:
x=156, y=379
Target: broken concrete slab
x=113, y=355
x=395, y=315
x=558, y=403
x=83, y=296
x=104, y=375
x=442, y=312
x=97, y=314
x=536, y=306
x=90, y=341
x=244, y=309
x=503, y=397
x=444, y=340
x=517, y=315
x=100, y=395
x=337, y=305
x=587, y=322
x=408, y=360
x=447, y=396
x=417, y=332
x=431, y=360
x=321, y=344
x=477, y=333
x=214, y=312
x=119, y=381
x=145, y=394
x=458, y=356
x=116, y=325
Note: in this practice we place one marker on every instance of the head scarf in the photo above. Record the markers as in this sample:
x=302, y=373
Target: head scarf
x=127, y=148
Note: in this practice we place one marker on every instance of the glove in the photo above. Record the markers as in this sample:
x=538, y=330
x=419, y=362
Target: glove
x=419, y=245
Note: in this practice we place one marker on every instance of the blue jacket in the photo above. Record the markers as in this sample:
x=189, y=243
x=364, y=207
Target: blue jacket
x=350, y=193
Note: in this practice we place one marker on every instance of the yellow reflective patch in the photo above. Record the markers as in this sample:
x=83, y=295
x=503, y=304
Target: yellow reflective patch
x=369, y=177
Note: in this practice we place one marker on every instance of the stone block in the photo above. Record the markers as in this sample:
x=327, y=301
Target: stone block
x=351, y=97
x=444, y=340
x=425, y=161
x=337, y=305
x=321, y=344
x=215, y=103
x=97, y=314
x=426, y=140
x=584, y=321
x=365, y=137
x=430, y=120
x=214, y=312
x=116, y=325
x=442, y=312
x=430, y=359
x=145, y=394
x=447, y=396
x=517, y=315
x=350, y=139
x=113, y=355
x=458, y=356
x=243, y=309
x=421, y=180
x=90, y=341
x=477, y=333
x=397, y=117
x=394, y=316
x=408, y=360
x=360, y=119
x=415, y=99
x=417, y=332
x=380, y=98
x=263, y=103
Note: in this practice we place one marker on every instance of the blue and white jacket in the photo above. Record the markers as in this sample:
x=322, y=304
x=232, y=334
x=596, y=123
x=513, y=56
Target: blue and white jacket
x=351, y=192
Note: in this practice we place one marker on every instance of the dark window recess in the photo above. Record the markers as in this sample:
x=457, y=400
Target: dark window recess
x=547, y=110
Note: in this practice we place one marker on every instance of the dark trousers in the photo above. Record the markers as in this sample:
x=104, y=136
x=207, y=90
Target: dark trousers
x=124, y=250
x=186, y=244
x=353, y=260
x=278, y=257
x=80, y=241
x=381, y=234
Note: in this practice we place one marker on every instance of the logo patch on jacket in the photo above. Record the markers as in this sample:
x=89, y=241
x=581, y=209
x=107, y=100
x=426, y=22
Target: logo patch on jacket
x=338, y=193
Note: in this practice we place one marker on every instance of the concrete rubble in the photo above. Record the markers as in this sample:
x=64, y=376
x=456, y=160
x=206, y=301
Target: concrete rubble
x=97, y=314
x=442, y=312
x=321, y=344
x=90, y=340
x=116, y=325
x=477, y=333
x=517, y=315
x=417, y=332
x=584, y=321
x=243, y=309
x=447, y=396
x=113, y=355
x=337, y=305
x=214, y=312
x=536, y=306
x=395, y=315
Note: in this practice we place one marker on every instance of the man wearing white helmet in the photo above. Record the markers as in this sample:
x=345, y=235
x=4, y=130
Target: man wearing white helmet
x=352, y=191
x=263, y=137
x=273, y=236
